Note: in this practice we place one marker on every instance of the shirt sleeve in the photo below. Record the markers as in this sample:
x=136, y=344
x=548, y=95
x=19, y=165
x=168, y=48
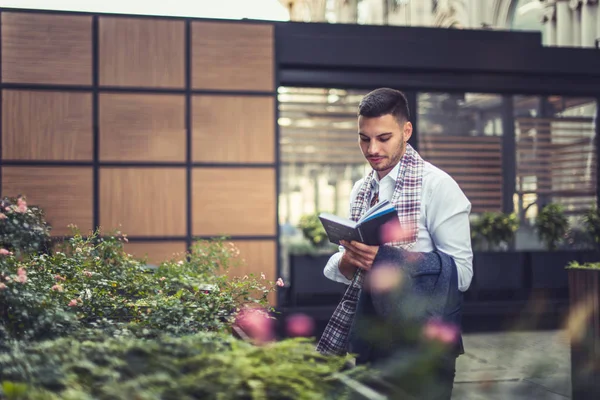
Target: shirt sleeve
x=448, y=224
x=332, y=268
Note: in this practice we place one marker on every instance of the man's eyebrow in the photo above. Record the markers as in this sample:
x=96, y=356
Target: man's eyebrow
x=380, y=135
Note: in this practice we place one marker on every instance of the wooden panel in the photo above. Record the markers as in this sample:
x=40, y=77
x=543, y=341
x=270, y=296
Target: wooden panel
x=143, y=201
x=232, y=56
x=46, y=125
x=44, y=48
x=157, y=252
x=256, y=257
x=64, y=193
x=142, y=52
x=233, y=201
x=142, y=127
x=233, y=129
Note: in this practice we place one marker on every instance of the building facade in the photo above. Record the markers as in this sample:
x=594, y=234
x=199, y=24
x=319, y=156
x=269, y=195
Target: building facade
x=570, y=23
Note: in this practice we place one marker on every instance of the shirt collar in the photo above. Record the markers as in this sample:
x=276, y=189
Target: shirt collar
x=393, y=174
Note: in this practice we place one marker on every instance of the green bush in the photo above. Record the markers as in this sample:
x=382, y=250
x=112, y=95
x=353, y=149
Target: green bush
x=551, y=224
x=91, y=281
x=591, y=221
x=492, y=229
x=200, y=366
x=23, y=228
x=313, y=230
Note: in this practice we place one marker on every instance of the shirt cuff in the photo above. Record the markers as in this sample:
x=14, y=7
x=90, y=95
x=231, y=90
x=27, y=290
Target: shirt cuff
x=332, y=270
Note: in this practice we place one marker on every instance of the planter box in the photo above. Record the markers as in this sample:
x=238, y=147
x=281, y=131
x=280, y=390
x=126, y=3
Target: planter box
x=497, y=275
x=584, y=292
x=309, y=286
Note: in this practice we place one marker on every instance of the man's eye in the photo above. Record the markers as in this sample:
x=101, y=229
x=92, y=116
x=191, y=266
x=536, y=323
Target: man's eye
x=384, y=140
x=364, y=139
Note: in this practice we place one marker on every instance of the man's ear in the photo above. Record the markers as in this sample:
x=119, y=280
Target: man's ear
x=408, y=130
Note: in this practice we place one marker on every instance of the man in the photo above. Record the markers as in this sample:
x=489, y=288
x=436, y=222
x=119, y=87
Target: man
x=433, y=211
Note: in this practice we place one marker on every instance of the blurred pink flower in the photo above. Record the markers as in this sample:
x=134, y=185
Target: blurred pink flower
x=21, y=275
x=21, y=205
x=262, y=276
x=5, y=252
x=256, y=324
x=73, y=303
x=2, y=286
x=87, y=273
x=393, y=232
x=280, y=282
x=57, y=288
x=441, y=331
x=3, y=216
x=300, y=325
x=59, y=278
x=385, y=279
x=162, y=278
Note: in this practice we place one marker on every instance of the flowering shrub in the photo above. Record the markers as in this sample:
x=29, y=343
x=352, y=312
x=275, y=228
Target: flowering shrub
x=23, y=228
x=200, y=366
x=92, y=282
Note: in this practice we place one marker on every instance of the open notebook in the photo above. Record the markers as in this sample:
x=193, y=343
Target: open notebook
x=367, y=230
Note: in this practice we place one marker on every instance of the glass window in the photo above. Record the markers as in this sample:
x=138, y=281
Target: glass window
x=555, y=153
x=319, y=152
x=461, y=133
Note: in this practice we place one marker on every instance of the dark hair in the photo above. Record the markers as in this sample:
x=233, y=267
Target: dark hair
x=385, y=101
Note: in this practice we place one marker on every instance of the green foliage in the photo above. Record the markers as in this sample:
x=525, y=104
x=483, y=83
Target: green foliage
x=204, y=365
x=313, y=230
x=23, y=228
x=595, y=266
x=591, y=221
x=551, y=224
x=92, y=282
x=494, y=229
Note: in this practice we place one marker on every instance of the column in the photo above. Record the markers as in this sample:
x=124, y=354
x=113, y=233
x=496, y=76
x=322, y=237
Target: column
x=549, y=21
x=589, y=20
x=564, y=26
x=575, y=6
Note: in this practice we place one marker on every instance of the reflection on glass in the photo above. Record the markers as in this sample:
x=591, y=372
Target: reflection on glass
x=319, y=152
x=555, y=153
x=460, y=133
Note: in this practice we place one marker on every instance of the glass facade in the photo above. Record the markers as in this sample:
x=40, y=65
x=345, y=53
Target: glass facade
x=461, y=133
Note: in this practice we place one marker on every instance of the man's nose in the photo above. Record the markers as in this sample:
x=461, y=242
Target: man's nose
x=373, y=147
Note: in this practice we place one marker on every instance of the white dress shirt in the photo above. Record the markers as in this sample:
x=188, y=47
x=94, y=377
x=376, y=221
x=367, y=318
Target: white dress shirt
x=443, y=222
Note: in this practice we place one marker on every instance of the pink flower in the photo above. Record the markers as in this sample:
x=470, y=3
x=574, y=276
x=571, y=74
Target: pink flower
x=57, y=288
x=262, y=276
x=393, y=232
x=5, y=252
x=162, y=278
x=437, y=330
x=73, y=303
x=3, y=216
x=21, y=205
x=256, y=324
x=280, y=282
x=21, y=272
x=385, y=279
x=87, y=273
x=59, y=278
x=2, y=286
x=21, y=279
x=300, y=325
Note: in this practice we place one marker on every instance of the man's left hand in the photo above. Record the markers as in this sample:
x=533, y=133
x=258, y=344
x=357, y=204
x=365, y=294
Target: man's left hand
x=360, y=254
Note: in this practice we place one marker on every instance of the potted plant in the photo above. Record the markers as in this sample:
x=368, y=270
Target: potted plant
x=497, y=272
x=551, y=224
x=308, y=285
x=583, y=327
x=549, y=277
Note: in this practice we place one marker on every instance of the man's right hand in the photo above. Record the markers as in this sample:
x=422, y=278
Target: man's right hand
x=347, y=267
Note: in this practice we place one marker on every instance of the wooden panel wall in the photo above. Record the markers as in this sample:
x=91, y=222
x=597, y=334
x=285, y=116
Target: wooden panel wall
x=163, y=128
x=475, y=162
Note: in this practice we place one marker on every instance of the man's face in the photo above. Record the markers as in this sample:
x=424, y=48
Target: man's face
x=383, y=141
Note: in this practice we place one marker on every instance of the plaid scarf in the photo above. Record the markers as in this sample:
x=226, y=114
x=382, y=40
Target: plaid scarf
x=407, y=200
